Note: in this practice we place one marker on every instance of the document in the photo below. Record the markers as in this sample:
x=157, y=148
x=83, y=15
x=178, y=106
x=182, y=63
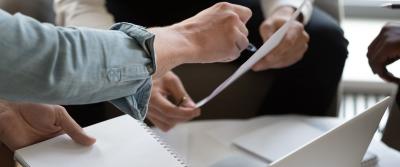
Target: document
x=266, y=48
x=122, y=141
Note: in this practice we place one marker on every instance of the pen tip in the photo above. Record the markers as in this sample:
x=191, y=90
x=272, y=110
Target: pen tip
x=251, y=47
x=386, y=5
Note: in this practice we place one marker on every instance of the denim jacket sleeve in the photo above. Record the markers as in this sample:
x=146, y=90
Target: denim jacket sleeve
x=47, y=64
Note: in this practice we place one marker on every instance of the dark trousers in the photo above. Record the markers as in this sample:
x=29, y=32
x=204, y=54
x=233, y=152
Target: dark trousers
x=308, y=87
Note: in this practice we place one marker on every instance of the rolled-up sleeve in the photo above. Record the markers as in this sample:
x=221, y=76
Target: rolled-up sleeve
x=48, y=64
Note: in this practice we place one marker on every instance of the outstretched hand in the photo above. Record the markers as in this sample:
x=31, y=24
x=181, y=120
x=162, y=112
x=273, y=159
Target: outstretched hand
x=23, y=124
x=216, y=34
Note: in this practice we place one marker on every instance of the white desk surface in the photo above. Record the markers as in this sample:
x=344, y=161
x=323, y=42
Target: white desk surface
x=202, y=143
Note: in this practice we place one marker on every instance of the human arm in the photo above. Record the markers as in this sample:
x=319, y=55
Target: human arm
x=43, y=63
x=73, y=43
x=384, y=50
x=209, y=38
x=277, y=13
x=166, y=90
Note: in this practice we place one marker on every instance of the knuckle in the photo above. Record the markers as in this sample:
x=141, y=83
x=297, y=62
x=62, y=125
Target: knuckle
x=60, y=109
x=223, y=5
x=265, y=25
x=298, y=25
x=232, y=17
x=247, y=12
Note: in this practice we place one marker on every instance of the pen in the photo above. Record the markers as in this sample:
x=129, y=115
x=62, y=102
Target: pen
x=391, y=6
x=251, y=48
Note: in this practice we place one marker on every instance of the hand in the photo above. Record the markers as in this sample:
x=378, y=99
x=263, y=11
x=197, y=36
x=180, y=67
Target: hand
x=23, y=124
x=217, y=34
x=384, y=50
x=292, y=47
x=162, y=112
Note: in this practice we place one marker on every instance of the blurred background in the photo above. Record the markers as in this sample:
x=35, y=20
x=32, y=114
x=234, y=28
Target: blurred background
x=360, y=19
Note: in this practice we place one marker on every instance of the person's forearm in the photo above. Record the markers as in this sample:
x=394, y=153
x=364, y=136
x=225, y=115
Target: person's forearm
x=47, y=64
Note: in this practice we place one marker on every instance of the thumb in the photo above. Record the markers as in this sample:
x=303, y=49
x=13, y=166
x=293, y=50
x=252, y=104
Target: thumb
x=189, y=103
x=177, y=90
x=266, y=30
x=72, y=129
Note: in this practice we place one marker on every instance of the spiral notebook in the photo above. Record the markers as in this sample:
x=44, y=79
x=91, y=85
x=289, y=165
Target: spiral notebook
x=122, y=141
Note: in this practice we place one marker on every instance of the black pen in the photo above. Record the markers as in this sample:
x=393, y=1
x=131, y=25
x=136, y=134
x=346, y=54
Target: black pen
x=391, y=6
x=251, y=48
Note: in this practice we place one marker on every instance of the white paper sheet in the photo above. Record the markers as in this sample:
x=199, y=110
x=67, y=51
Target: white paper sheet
x=121, y=141
x=266, y=48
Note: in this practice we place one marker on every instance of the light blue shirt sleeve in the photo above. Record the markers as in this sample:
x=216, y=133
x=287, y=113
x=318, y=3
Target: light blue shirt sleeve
x=47, y=64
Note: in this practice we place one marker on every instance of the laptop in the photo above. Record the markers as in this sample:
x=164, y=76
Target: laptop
x=342, y=146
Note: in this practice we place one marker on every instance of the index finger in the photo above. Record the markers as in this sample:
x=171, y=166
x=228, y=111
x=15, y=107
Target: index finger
x=70, y=127
x=387, y=76
x=378, y=65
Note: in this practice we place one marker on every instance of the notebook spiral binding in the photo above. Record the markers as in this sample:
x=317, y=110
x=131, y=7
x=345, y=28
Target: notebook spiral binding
x=163, y=143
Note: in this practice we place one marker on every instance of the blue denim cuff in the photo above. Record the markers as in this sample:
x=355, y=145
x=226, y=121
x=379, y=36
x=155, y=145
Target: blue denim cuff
x=135, y=105
x=143, y=37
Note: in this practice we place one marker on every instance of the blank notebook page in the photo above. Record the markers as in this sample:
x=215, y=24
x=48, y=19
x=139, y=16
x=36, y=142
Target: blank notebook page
x=122, y=141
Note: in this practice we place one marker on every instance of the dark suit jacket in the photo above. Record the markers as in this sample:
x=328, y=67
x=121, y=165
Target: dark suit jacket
x=391, y=135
